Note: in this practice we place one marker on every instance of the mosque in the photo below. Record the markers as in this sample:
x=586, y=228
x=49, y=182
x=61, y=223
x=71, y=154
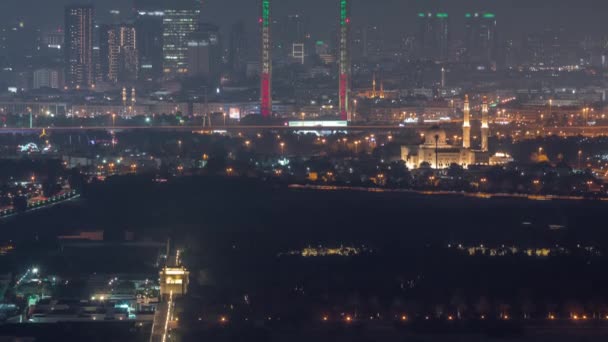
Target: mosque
x=440, y=155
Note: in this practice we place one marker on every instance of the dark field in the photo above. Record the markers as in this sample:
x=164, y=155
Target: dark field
x=233, y=231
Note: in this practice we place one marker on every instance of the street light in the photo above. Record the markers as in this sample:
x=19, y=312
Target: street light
x=113, y=119
x=224, y=114
x=282, y=148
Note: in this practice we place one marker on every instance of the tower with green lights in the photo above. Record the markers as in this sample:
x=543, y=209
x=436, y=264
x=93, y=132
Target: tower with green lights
x=480, y=38
x=266, y=62
x=344, y=87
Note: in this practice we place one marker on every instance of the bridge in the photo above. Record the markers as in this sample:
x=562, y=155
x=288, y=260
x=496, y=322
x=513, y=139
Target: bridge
x=231, y=128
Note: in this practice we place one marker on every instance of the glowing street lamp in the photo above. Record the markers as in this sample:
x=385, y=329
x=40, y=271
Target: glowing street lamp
x=282, y=144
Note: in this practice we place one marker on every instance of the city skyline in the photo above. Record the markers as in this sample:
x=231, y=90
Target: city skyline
x=585, y=18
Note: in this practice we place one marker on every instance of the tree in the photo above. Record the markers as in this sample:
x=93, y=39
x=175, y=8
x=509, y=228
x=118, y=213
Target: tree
x=455, y=171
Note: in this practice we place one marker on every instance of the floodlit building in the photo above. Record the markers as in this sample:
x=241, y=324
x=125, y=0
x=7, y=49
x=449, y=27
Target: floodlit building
x=437, y=152
x=440, y=155
x=175, y=280
x=80, y=69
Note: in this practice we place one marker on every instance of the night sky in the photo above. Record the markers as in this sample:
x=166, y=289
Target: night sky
x=396, y=16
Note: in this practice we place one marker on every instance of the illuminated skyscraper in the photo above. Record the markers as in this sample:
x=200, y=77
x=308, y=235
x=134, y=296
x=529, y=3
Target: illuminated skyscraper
x=122, y=55
x=466, y=125
x=238, y=48
x=485, y=128
x=205, y=53
x=180, y=20
x=480, y=38
x=344, y=88
x=79, y=66
x=149, y=27
x=266, y=62
x=434, y=36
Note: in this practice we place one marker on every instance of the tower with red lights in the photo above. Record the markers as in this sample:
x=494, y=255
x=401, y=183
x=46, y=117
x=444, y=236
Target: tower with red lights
x=266, y=62
x=344, y=89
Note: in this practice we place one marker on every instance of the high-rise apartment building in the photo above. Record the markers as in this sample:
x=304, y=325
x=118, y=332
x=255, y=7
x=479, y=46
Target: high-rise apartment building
x=180, y=20
x=79, y=64
x=123, y=64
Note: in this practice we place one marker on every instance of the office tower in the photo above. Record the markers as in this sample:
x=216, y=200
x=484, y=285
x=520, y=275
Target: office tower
x=180, y=20
x=47, y=78
x=122, y=54
x=466, y=124
x=480, y=38
x=434, y=36
x=545, y=48
x=18, y=41
x=298, y=53
x=294, y=31
x=149, y=27
x=97, y=54
x=104, y=50
x=238, y=48
x=367, y=43
x=52, y=39
x=79, y=64
x=205, y=53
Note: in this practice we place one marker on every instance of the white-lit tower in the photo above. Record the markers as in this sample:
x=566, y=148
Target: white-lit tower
x=485, y=127
x=466, y=124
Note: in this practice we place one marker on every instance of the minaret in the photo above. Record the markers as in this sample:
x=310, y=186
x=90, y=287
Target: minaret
x=485, y=128
x=382, y=89
x=133, y=100
x=466, y=125
x=124, y=100
x=374, y=86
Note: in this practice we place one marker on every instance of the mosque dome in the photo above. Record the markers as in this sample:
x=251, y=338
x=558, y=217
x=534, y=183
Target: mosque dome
x=435, y=136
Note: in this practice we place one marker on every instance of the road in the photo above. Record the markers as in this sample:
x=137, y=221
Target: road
x=163, y=320
x=236, y=128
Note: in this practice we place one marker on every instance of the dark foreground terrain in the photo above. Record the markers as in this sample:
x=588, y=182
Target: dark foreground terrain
x=424, y=268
